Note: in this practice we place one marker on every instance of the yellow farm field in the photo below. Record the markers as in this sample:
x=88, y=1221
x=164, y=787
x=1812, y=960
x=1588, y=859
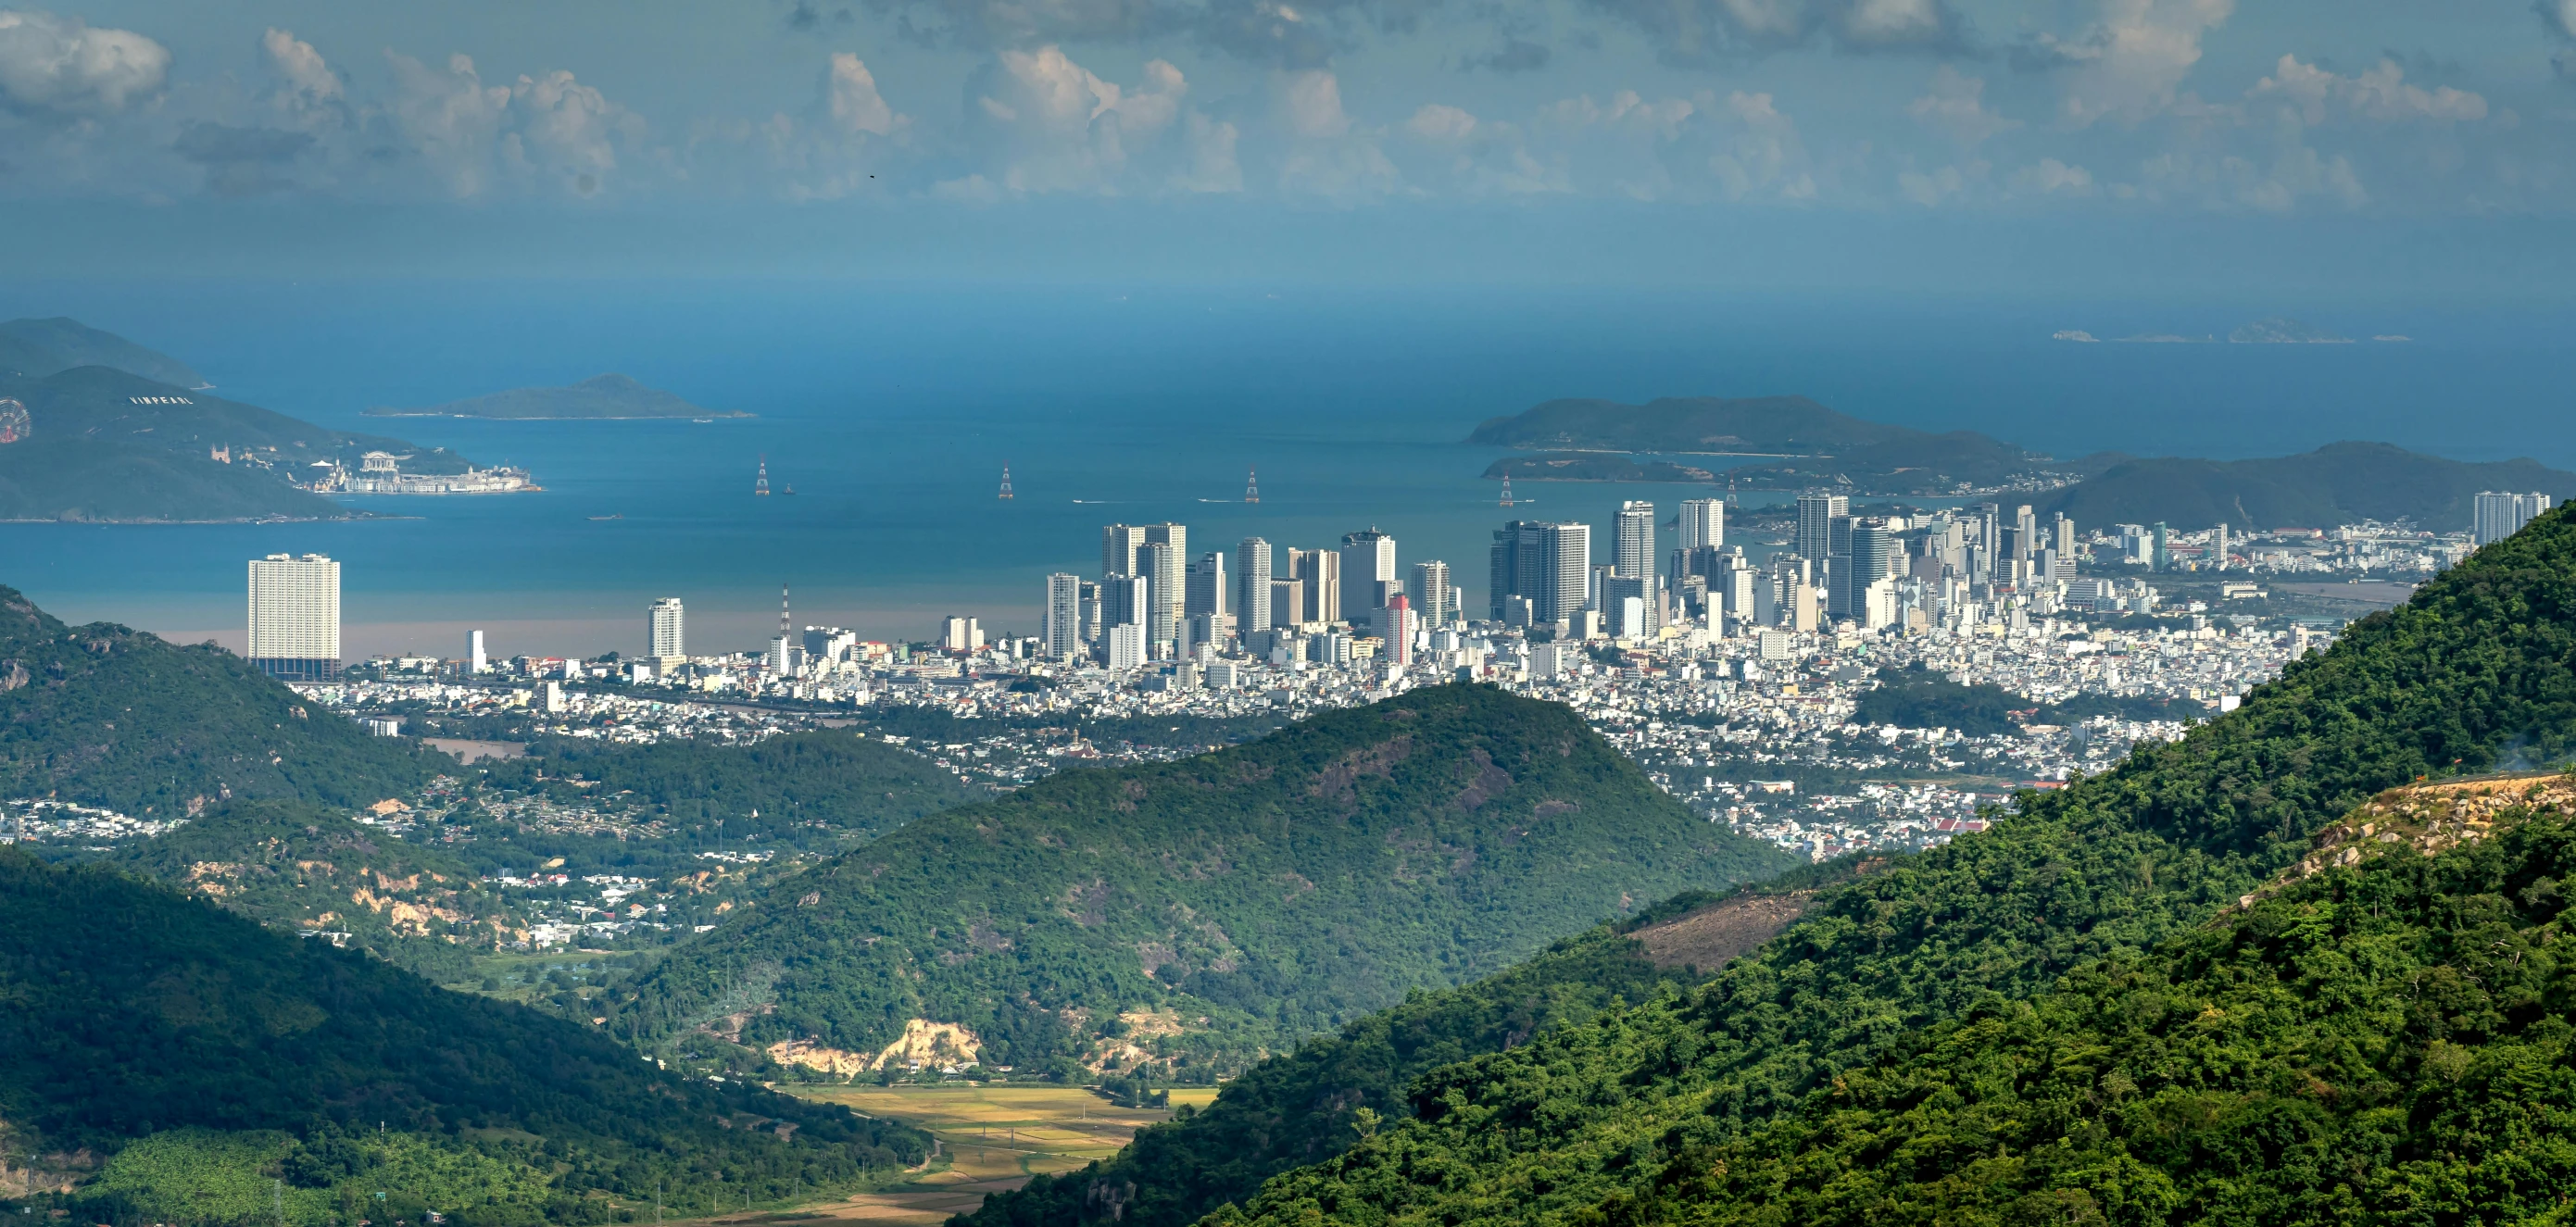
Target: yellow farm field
x=991, y=1138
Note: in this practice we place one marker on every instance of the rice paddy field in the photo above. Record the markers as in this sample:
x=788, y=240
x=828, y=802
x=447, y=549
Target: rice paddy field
x=991, y=1138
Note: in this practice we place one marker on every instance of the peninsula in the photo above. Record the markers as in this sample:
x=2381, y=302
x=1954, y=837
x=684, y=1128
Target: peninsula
x=603, y=397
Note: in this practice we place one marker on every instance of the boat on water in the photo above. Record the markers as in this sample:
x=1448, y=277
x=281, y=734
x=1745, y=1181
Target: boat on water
x=619, y=516
x=701, y=421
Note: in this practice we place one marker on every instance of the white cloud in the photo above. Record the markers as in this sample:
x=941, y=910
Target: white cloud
x=1054, y=126
x=1314, y=105
x=1933, y=187
x=1763, y=155
x=2130, y=63
x=2050, y=177
x=1956, y=105
x=1212, y=164
x=541, y=130
x=63, y=66
x=851, y=100
x=1435, y=122
x=2380, y=94
x=310, y=83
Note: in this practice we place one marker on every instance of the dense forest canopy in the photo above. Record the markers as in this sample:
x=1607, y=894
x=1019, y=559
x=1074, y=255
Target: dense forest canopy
x=1620, y=1120
x=1272, y=889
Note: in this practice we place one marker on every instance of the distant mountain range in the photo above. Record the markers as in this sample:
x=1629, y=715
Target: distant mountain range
x=118, y=433
x=1814, y=445
x=602, y=396
x=1821, y=448
x=2340, y=483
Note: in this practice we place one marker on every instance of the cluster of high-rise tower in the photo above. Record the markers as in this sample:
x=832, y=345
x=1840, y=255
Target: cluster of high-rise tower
x=1154, y=600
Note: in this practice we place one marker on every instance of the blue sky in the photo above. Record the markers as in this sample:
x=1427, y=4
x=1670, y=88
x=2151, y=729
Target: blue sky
x=1011, y=137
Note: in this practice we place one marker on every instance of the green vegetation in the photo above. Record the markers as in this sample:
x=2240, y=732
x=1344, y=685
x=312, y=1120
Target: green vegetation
x=1593, y=1123
x=36, y=348
x=1917, y=699
x=1830, y=447
x=303, y=868
x=1304, y=1107
x=2337, y=484
x=104, y=715
x=264, y=1176
x=601, y=396
x=802, y=788
x=112, y=441
x=1257, y=893
x=134, y=1011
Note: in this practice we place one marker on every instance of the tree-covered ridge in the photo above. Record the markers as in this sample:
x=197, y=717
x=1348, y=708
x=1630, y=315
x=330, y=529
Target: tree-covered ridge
x=802, y=787
x=1272, y=889
x=2476, y=667
x=104, y=715
x=131, y=1010
x=2380, y=1043
x=303, y=868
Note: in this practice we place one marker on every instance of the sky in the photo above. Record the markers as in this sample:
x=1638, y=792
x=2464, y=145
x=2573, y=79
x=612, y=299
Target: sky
x=1979, y=145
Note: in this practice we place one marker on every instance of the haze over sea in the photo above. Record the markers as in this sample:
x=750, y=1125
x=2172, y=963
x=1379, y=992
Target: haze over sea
x=891, y=410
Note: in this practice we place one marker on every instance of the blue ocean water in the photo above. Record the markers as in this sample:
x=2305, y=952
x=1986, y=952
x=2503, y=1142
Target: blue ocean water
x=893, y=409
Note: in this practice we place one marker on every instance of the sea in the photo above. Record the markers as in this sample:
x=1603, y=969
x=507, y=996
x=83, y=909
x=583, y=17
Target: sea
x=893, y=411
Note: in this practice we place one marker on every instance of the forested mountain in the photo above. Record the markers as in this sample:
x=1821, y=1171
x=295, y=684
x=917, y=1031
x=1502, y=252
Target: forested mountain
x=193, y=1049
x=104, y=715
x=1180, y=916
x=1817, y=445
x=598, y=397
x=1859, y=1025
x=2340, y=483
x=117, y=432
x=805, y=789
x=1307, y=1106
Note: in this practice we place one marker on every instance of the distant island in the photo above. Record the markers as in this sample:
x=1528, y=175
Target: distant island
x=102, y=430
x=2340, y=483
x=2270, y=330
x=1594, y=466
x=602, y=397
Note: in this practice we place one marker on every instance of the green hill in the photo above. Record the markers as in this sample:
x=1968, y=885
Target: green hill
x=2341, y=483
x=199, y=1055
x=37, y=348
x=1601, y=1123
x=1180, y=917
x=109, y=444
x=1822, y=446
x=303, y=869
x=601, y=396
x=1307, y=1106
x=104, y=715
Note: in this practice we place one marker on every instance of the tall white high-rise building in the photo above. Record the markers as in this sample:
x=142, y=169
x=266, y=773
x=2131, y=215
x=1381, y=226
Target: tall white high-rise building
x=2500, y=515
x=475, y=662
x=1431, y=593
x=1703, y=522
x=1319, y=578
x=1169, y=572
x=1126, y=643
x=1252, y=585
x=1397, y=625
x=295, y=615
x=1061, y=628
x=1636, y=556
x=667, y=631
x=1368, y=575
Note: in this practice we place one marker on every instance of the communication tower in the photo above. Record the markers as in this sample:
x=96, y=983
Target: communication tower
x=1006, y=481
x=1252, y=485
x=1507, y=489
x=760, y=484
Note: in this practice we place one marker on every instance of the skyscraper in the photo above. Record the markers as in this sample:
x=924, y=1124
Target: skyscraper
x=665, y=631
x=2029, y=526
x=2163, y=559
x=1251, y=585
x=1126, y=644
x=1210, y=587
x=1169, y=573
x=2500, y=515
x=1368, y=574
x=295, y=615
x=1319, y=574
x=1125, y=600
x=1398, y=626
x=1430, y=590
x=1873, y=553
x=1815, y=519
x=1636, y=557
x=2062, y=533
x=1061, y=628
x=1703, y=522
x=1557, y=558
x=475, y=661
x=1118, y=545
